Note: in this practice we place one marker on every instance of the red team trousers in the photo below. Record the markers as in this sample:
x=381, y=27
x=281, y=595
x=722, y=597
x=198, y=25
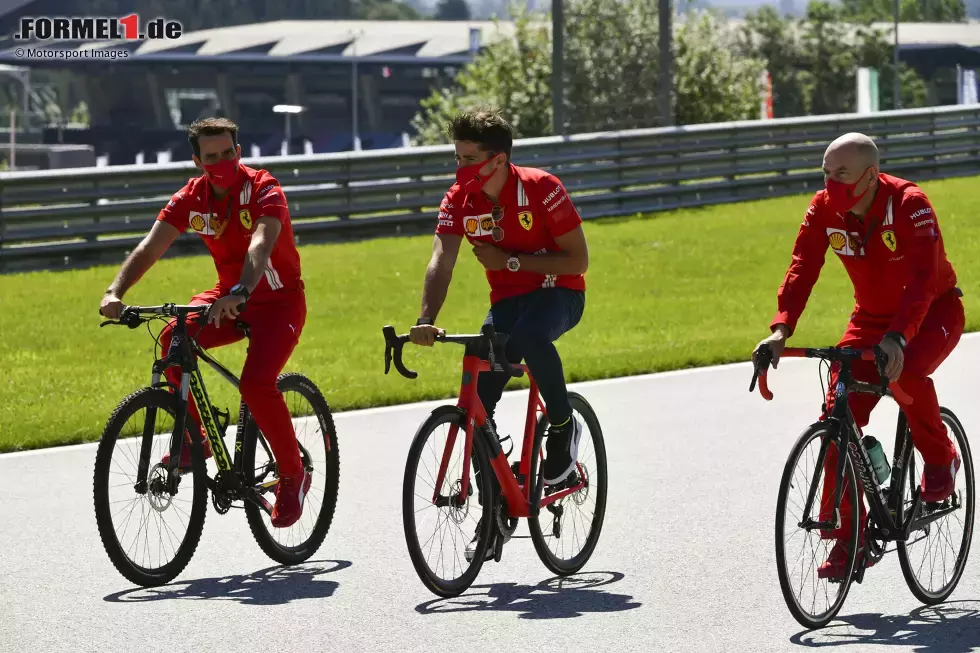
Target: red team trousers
x=940, y=331
x=275, y=321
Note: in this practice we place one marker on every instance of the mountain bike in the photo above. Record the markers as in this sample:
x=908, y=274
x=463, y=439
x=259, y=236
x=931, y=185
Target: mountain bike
x=897, y=512
x=511, y=492
x=155, y=420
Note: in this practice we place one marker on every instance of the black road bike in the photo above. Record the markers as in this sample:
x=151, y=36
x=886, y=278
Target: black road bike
x=897, y=513
x=142, y=506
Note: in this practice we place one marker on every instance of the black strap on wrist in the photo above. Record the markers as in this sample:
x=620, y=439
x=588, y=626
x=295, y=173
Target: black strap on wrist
x=425, y=321
x=897, y=337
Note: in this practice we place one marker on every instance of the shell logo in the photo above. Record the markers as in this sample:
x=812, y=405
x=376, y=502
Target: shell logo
x=837, y=240
x=471, y=225
x=197, y=222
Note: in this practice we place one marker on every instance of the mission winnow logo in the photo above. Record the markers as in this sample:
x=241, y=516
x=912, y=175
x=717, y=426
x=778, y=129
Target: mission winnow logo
x=96, y=28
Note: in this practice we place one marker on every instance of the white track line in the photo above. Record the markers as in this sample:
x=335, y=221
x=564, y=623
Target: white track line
x=432, y=403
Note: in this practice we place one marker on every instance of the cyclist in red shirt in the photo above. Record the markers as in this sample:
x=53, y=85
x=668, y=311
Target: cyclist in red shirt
x=526, y=232
x=242, y=216
x=886, y=233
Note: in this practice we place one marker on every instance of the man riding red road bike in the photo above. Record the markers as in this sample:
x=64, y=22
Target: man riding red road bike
x=886, y=234
x=242, y=216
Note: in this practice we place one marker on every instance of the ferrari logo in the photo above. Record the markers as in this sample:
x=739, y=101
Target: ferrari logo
x=527, y=220
x=888, y=238
x=246, y=218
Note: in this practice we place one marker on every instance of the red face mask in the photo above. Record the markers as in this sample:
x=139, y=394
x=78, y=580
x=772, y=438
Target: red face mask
x=224, y=173
x=842, y=196
x=470, y=179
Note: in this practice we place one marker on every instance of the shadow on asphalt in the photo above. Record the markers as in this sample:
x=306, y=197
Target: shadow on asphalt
x=555, y=598
x=952, y=627
x=270, y=586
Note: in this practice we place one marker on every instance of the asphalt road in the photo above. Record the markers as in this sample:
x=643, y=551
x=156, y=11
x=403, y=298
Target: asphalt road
x=685, y=562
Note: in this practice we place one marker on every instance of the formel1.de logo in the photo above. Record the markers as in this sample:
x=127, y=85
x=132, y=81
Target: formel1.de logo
x=96, y=28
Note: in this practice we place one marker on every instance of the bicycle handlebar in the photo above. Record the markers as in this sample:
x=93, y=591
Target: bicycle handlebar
x=394, y=345
x=133, y=316
x=833, y=354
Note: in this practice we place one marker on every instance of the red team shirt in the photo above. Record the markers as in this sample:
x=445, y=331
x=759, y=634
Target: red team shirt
x=537, y=210
x=227, y=225
x=895, y=259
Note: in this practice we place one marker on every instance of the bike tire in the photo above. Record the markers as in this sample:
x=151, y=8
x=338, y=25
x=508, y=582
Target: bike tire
x=479, y=456
x=804, y=618
x=145, y=576
x=255, y=515
x=911, y=579
x=597, y=478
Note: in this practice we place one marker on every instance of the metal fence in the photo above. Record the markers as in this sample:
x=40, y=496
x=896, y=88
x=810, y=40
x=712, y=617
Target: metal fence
x=84, y=216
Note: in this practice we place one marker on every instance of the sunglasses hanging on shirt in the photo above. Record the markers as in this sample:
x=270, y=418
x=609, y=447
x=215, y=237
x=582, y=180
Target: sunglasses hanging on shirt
x=497, y=214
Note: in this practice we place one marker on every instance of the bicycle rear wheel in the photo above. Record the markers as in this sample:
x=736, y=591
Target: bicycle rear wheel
x=439, y=559
x=317, y=439
x=564, y=544
x=814, y=603
x=946, y=540
x=150, y=536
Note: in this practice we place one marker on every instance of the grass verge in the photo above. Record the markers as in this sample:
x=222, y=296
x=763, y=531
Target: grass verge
x=687, y=288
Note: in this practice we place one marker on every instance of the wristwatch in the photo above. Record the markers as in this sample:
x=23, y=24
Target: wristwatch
x=513, y=264
x=239, y=289
x=424, y=321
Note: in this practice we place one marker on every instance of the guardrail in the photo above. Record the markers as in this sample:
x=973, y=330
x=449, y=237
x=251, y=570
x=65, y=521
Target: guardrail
x=84, y=216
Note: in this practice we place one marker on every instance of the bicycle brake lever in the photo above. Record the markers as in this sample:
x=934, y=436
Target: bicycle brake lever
x=395, y=344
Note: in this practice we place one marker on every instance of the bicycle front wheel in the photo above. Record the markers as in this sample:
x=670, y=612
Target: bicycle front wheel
x=317, y=440
x=149, y=533
x=934, y=556
x=438, y=520
x=566, y=532
x=813, y=601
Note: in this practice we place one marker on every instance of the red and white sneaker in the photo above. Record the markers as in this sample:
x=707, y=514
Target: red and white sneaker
x=290, y=494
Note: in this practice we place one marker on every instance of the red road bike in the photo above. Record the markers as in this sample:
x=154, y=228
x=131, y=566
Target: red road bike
x=563, y=538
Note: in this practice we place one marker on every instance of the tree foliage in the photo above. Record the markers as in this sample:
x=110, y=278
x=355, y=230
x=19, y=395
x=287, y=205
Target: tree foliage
x=813, y=62
x=909, y=11
x=712, y=82
x=611, y=73
x=452, y=10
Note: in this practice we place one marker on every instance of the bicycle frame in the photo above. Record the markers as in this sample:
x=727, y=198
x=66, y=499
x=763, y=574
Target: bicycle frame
x=183, y=354
x=846, y=436
x=518, y=496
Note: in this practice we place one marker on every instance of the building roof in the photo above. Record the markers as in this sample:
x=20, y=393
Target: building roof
x=414, y=41
x=420, y=39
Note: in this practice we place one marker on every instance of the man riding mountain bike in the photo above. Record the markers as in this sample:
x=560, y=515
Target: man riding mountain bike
x=242, y=216
x=528, y=235
x=886, y=233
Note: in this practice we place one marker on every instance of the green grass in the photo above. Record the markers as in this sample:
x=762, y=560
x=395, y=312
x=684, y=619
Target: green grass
x=681, y=289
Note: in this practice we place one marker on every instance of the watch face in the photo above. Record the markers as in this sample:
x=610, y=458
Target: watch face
x=513, y=264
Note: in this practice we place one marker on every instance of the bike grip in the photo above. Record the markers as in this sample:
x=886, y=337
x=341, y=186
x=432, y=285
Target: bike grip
x=400, y=366
x=764, y=387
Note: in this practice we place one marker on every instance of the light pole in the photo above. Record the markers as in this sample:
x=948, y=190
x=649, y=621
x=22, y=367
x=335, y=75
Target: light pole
x=898, y=83
x=557, y=67
x=287, y=109
x=353, y=86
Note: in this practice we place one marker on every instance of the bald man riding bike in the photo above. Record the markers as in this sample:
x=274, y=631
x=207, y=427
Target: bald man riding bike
x=886, y=233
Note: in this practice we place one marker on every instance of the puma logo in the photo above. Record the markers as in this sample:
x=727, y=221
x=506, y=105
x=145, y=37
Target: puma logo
x=945, y=333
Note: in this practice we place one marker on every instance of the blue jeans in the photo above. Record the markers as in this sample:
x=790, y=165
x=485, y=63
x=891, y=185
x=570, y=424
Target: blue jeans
x=534, y=322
